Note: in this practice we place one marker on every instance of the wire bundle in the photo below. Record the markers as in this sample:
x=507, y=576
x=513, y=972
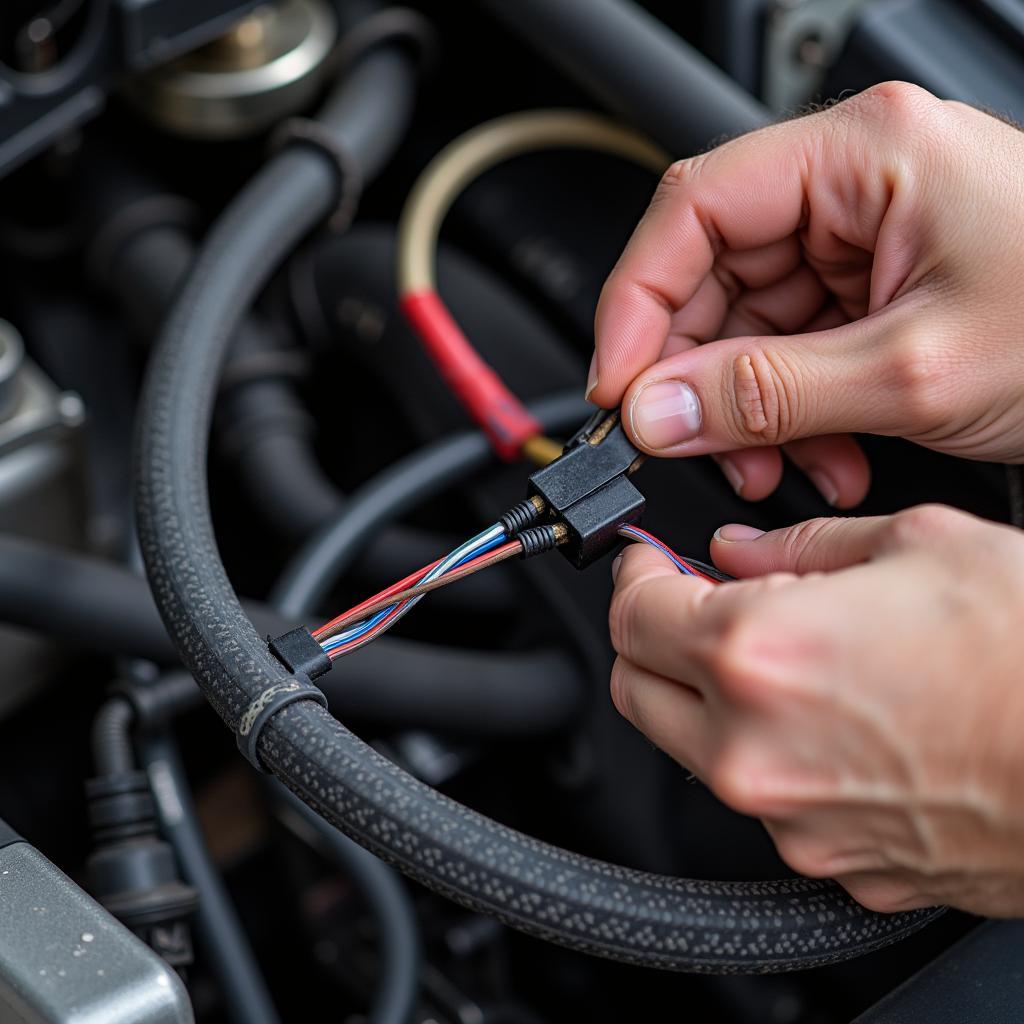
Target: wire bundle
x=374, y=616
x=688, y=566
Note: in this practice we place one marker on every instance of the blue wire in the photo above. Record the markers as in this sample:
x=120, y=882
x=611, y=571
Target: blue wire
x=479, y=545
x=680, y=565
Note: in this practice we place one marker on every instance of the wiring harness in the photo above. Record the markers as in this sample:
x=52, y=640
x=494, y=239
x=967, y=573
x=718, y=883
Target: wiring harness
x=590, y=506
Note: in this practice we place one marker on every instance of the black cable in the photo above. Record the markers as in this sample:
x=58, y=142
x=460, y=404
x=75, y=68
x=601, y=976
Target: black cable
x=634, y=64
x=399, y=952
x=228, y=952
x=603, y=909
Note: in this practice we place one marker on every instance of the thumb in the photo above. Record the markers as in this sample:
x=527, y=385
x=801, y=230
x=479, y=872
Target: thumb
x=754, y=391
x=817, y=545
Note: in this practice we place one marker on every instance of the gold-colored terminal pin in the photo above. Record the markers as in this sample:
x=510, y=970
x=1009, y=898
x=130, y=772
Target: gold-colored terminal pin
x=606, y=427
x=561, y=533
x=541, y=450
x=539, y=504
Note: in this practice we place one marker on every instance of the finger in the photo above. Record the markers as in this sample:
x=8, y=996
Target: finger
x=671, y=715
x=766, y=390
x=817, y=545
x=658, y=619
x=828, y=177
x=753, y=472
x=836, y=465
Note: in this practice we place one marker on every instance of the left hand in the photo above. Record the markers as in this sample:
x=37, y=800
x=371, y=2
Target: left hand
x=861, y=693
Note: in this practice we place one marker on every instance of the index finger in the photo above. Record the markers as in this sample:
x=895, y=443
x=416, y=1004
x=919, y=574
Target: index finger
x=746, y=194
x=831, y=176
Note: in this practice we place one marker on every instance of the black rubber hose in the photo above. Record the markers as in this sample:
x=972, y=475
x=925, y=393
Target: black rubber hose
x=101, y=606
x=635, y=65
x=398, y=943
x=112, y=751
x=551, y=893
x=220, y=932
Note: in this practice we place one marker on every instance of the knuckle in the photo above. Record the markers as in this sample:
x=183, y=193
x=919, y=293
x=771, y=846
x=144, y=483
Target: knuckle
x=804, y=857
x=898, y=102
x=737, y=781
x=927, y=524
x=920, y=380
x=764, y=394
x=732, y=660
x=681, y=173
x=803, y=543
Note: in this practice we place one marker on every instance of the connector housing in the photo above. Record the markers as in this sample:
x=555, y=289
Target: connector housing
x=588, y=489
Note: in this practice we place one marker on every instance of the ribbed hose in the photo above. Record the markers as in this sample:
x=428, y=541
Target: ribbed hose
x=112, y=751
x=548, y=892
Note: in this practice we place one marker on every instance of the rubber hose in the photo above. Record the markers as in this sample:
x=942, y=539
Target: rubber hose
x=397, y=989
x=634, y=64
x=112, y=751
x=551, y=893
x=100, y=605
x=220, y=932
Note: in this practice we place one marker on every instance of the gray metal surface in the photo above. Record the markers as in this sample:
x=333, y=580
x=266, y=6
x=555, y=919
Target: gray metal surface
x=65, y=960
x=979, y=981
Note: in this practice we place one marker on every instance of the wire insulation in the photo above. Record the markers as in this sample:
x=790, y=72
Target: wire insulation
x=512, y=430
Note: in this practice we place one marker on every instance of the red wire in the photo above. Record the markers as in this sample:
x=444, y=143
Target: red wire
x=658, y=542
x=394, y=589
x=408, y=581
x=483, y=394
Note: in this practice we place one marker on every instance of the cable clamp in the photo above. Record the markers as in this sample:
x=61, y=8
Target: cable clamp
x=305, y=131
x=265, y=706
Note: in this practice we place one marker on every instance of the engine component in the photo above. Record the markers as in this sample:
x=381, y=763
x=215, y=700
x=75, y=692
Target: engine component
x=40, y=486
x=268, y=66
x=64, y=959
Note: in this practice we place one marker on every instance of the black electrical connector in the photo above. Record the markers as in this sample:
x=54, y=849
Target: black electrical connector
x=587, y=488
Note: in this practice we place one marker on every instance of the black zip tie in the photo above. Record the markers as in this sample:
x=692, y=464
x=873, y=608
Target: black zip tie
x=265, y=706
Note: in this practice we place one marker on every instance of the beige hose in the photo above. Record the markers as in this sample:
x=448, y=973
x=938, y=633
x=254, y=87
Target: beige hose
x=481, y=148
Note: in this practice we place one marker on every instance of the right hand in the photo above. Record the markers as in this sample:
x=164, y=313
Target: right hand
x=859, y=269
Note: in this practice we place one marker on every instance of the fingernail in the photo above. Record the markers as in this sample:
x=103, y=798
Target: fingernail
x=616, y=562
x=665, y=413
x=733, y=532
x=825, y=484
x=591, y=376
x=731, y=473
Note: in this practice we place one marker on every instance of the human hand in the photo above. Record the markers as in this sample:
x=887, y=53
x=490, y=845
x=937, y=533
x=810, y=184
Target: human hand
x=861, y=694
x=858, y=269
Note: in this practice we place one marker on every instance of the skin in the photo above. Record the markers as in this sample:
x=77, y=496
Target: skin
x=858, y=690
